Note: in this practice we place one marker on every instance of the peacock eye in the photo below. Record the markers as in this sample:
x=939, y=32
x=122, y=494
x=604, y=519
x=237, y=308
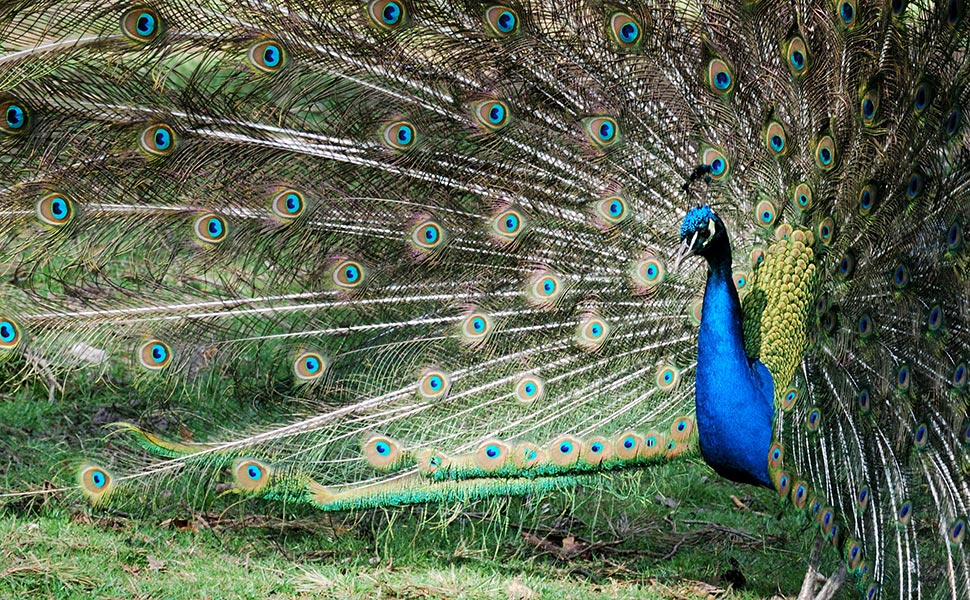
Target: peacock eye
x=399, y=135
x=157, y=140
x=720, y=76
x=387, y=14
x=16, y=118
x=288, y=204
x=55, y=209
x=502, y=21
x=141, y=25
x=625, y=30
x=267, y=56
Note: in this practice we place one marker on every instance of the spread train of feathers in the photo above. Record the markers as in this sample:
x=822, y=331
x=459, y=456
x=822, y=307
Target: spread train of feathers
x=448, y=227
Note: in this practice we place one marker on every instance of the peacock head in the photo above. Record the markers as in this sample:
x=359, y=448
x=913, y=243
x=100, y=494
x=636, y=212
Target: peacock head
x=702, y=233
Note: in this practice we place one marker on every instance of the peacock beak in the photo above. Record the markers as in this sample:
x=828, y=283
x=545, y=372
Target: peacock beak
x=686, y=249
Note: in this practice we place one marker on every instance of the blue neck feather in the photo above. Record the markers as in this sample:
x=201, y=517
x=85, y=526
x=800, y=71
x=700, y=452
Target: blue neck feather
x=735, y=397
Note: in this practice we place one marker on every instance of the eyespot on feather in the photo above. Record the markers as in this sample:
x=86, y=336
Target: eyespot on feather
x=544, y=289
x=10, y=335
x=387, y=14
x=210, y=228
x=565, y=451
x=826, y=157
x=529, y=389
x=16, y=117
x=429, y=235
x=382, y=452
x=492, y=115
x=434, y=384
x=592, y=332
x=309, y=366
x=720, y=76
x=527, y=455
x=348, y=274
x=602, y=131
x=501, y=21
x=789, y=398
x=798, y=57
x=506, y=225
x=717, y=161
x=251, y=475
x=476, y=327
x=267, y=56
x=799, y=494
x=288, y=204
x=612, y=210
x=782, y=483
x=141, y=25
x=869, y=107
x=848, y=13
x=826, y=231
x=596, y=450
x=647, y=274
x=400, y=136
x=681, y=428
x=154, y=355
x=802, y=196
x=628, y=445
x=55, y=209
x=776, y=139
x=776, y=456
x=668, y=377
x=626, y=30
x=158, y=140
x=651, y=445
x=492, y=455
x=96, y=483
x=868, y=196
x=765, y=213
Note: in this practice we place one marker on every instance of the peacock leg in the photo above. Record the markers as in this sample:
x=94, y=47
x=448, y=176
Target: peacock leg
x=812, y=577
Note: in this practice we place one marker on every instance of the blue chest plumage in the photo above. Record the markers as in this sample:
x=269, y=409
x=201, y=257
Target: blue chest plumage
x=735, y=408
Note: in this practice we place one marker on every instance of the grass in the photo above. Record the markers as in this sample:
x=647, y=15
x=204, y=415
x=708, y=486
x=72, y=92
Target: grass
x=677, y=531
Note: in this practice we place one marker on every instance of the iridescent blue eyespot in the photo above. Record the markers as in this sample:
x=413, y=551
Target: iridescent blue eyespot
x=903, y=378
x=566, y=447
x=602, y=131
x=935, y=318
x=506, y=21
x=797, y=53
x=399, y=135
x=99, y=479
x=868, y=108
x=625, y=30
x=501, y=21
x=254, y=472
x=511, y=223
x=478, y=324
x=915, y=185
x=154, y=355
x=157, y=140
x=549, y=286
x=717, y=166
x=719, y=76
x=348, y=274
x=777, y=143
x=435, y=382
x=492, y=451
x=922, y=99
x=952, y=122
x=649, y=442
x=55, y=209
x=847, y=12
x=530, y=389
x=141, y=25
x=629, y=442
x=606, y=131
x=960, y=376
x=596, y=447
x=387, y=14
x=954, y=237
x=15, y=117
x=9, y=334
x=596, y=330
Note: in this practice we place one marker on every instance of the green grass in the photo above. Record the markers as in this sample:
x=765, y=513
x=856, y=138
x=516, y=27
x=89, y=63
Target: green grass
x=676, y=531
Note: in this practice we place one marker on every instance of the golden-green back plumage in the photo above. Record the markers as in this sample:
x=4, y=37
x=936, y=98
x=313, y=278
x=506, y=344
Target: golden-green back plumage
x=444, y=230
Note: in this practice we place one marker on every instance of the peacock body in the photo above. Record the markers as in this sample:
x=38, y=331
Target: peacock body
x=449, y=229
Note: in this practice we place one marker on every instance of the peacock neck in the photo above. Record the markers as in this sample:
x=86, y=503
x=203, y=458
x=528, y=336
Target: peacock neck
x=734, y=396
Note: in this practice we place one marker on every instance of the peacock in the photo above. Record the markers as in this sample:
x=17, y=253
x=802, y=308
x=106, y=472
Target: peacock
x=497, y=247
